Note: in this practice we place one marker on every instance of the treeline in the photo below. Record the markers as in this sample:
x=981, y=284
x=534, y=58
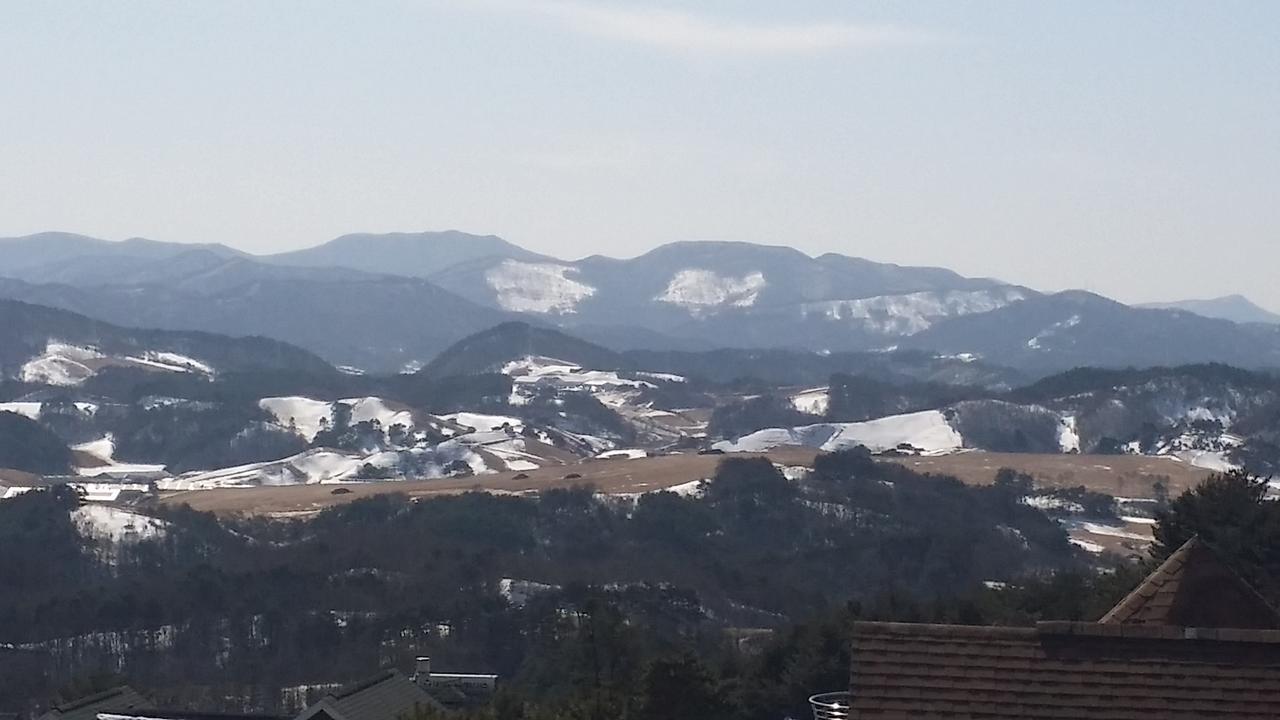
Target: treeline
x=261, y=605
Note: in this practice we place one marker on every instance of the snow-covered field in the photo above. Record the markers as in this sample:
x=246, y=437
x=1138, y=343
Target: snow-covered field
x=814, y=401
x=61, y=364
x=116, y=525
x=309, y=416
x=928, y=432
x=104, y=449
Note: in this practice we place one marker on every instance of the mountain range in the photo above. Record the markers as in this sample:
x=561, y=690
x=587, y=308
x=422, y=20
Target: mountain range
x=385, y=303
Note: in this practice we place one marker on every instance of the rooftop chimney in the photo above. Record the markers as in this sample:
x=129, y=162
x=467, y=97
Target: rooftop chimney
x=422, y=670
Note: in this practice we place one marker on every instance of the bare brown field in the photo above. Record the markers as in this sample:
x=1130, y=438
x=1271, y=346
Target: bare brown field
x=1117, y=475
x=615, y=477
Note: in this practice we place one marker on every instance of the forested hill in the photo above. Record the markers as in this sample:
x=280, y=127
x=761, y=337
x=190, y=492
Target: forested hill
x=256, y=606
x=27, y=330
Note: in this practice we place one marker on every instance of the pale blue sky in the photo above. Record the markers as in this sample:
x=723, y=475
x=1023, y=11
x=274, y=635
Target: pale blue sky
x=1127, y=147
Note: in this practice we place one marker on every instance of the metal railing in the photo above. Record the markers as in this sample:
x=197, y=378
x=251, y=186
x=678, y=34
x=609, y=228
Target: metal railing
x=830, y=706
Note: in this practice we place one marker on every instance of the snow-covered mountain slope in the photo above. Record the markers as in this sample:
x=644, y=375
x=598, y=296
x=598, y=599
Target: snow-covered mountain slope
x=545, y=288
x=1051, y=333
x=308, y=417
x=44, y=345
x=65, y=364
x=926, y=433
x=733, y=294
x=901, y=315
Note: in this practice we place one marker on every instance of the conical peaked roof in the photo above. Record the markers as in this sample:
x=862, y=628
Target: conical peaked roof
x=1194, y=588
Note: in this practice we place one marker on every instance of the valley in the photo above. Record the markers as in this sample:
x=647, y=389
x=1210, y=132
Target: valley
x=758, y=409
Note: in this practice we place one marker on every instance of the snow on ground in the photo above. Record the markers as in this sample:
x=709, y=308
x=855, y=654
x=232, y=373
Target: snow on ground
x=1049, y=502
x=33, y=409
x=1107, y=530
x=693, y=488
x=1037, y=342
x=510, y=450
x=116, y=525
x=1086, y=545
x=171, y=361
x=665, y=377
x=303, y=413
x=531, y=373
x=623, y=454
x=61, y=364
x=367, y=409
x=537, y=287
x=484, y=423
x=1138, y=520
x=927, y=431
x=699, y=289
x=309, y=416
x=814, y=401
x=104, y=449
x=1068, y=436
x=307, y=468
x=913, y=312
x=26, y=409
x=1215, y=461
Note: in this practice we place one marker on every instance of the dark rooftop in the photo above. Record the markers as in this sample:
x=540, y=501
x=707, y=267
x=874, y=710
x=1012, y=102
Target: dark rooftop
x=119, y=699
x=1192, y=641
x=1194, y=588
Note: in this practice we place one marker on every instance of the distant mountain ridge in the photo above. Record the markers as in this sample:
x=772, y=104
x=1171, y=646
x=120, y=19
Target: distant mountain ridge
x=38, y=342
x=1236, y=308
x=393, y=301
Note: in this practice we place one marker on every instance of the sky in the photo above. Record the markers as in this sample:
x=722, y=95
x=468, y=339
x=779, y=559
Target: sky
x=1130, y=148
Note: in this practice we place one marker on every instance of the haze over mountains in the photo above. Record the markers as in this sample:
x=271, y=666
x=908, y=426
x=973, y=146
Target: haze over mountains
x=387, y=302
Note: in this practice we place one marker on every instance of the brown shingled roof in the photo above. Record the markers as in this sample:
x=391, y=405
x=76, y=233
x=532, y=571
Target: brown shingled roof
x=118, y=699
x=389, y=695
x=1194, y=588
x=1064, y=670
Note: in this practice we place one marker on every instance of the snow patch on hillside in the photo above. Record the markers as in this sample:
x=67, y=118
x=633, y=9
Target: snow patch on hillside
x=913, y=312
x=1037, y=342
x=814, y=401
x=927, y=432
x=61, y=364
x=537, y=287
x=171, y=362
x=116, y=525
x=700, y=289
x=1068, y=435
x=485, y=423
x=30, y=410
x=310, y=416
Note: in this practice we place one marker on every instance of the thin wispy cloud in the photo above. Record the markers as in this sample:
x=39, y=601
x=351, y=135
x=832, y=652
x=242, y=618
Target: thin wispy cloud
x=678, y=30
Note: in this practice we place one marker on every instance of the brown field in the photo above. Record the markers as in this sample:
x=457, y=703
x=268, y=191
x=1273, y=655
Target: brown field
x=1116, y=475
x=616, y=477
x=1123, y=476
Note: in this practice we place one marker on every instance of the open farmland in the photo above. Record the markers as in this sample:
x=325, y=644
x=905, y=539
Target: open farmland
x=615, y=477
x=1122, y=476
x=1116, y=475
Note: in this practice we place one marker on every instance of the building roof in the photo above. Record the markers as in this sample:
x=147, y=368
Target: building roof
x=1194, y=588
x=389, y=695
x=1194, y=640
x=116, y=699
x=1064, y=670
x=146, y=714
